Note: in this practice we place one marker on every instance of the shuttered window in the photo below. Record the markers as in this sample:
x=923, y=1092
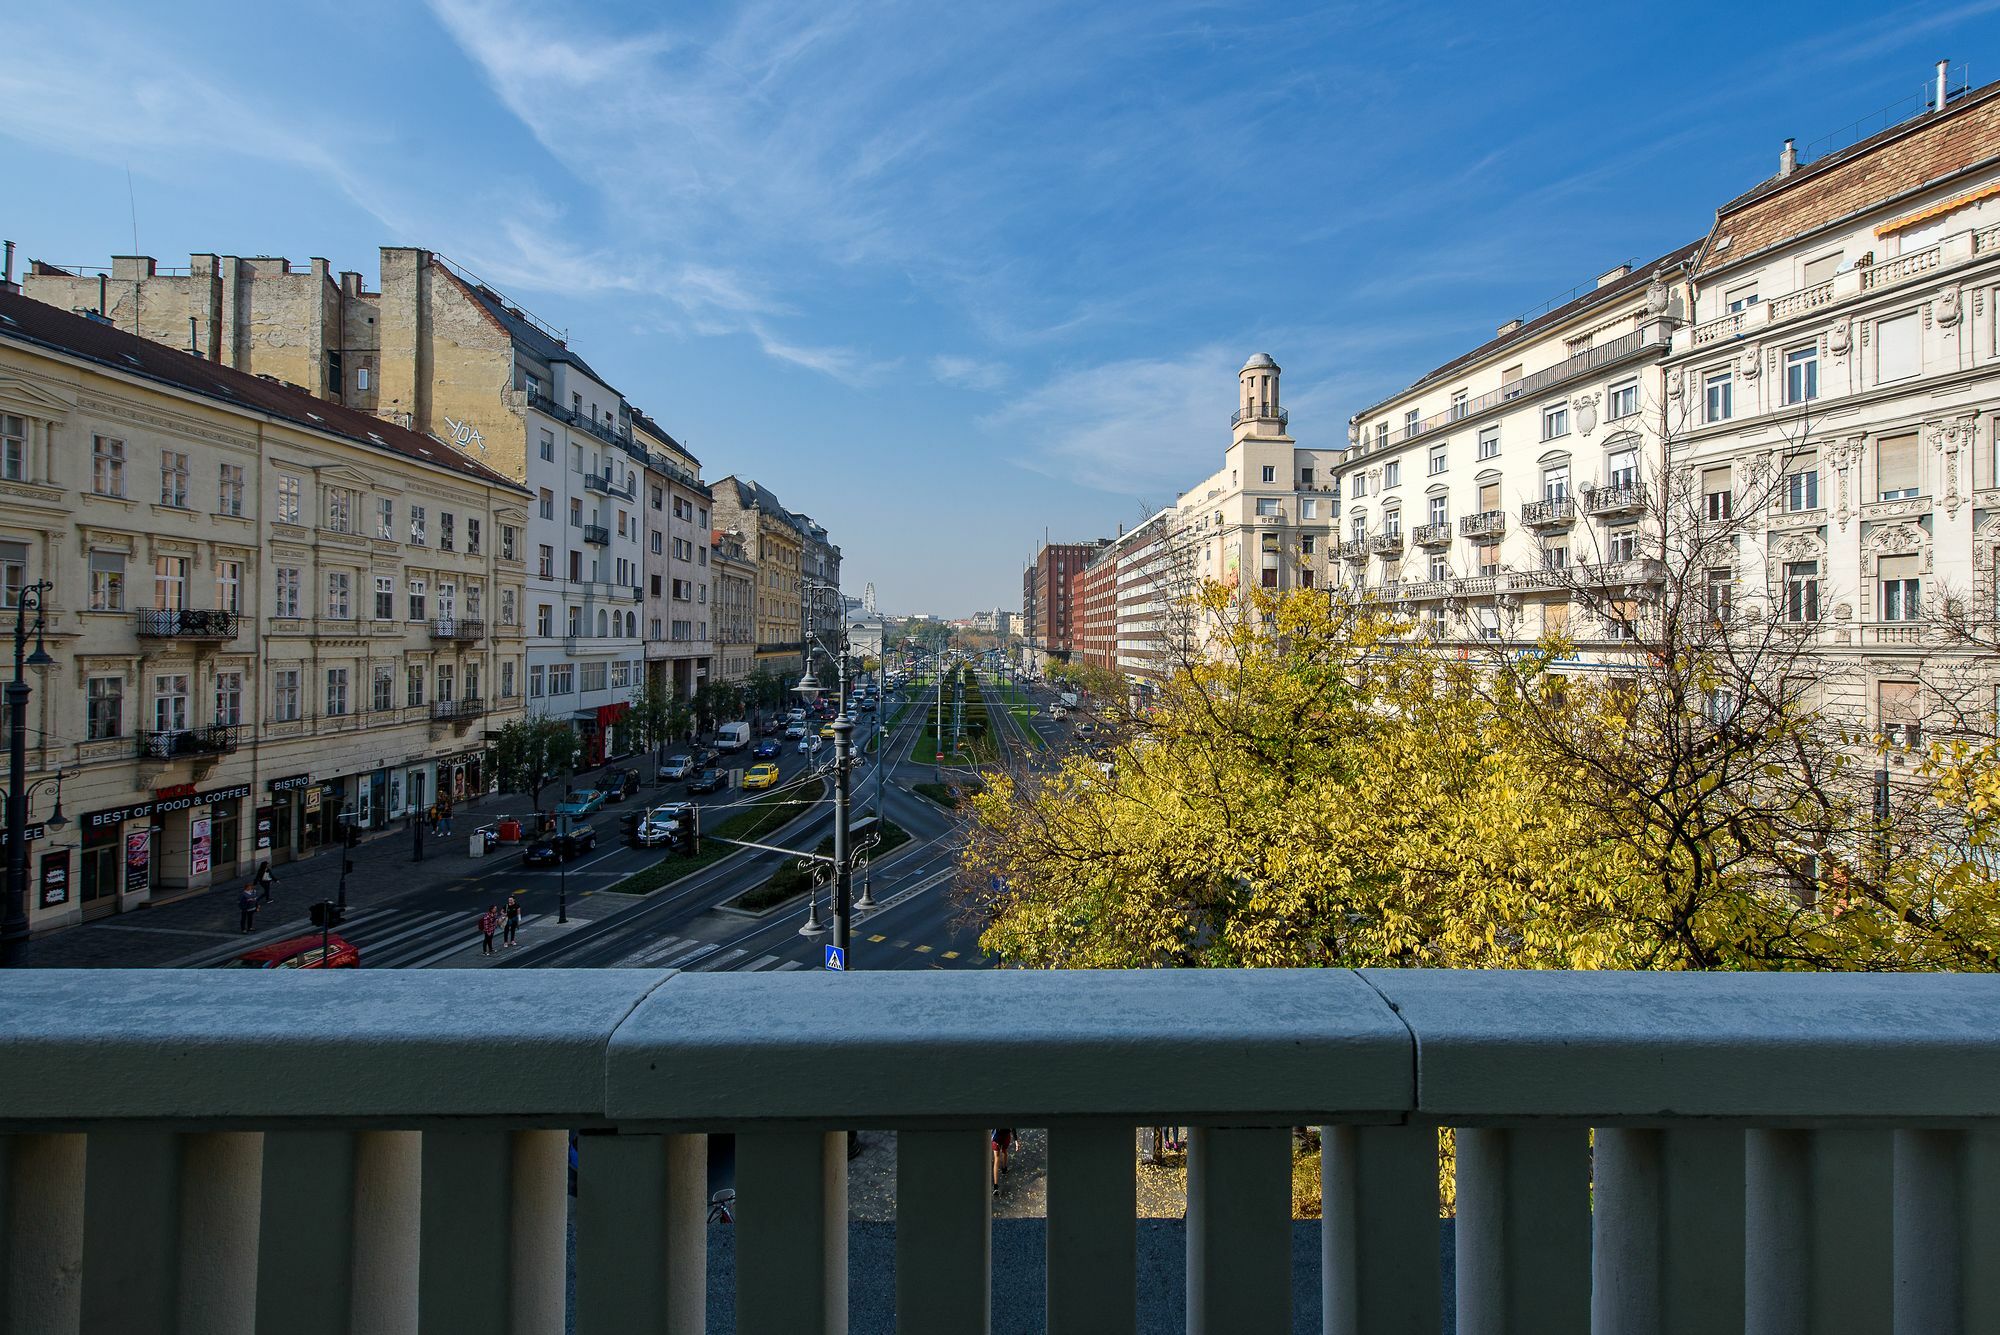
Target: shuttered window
x=1489, y=496
x=1898, y=352
x=1896, y=467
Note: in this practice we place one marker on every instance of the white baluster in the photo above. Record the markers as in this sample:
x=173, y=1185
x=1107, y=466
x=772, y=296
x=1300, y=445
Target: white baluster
x=1668, y=1226
x=1523, y=1231
x=305, y=1248
x=791, y=1233
x=1092, y=1236
x=641, y=1234
x=1379, y=1230
x=494, y=1228
x=388, y=1231
x=944, y=1232
x=1817, y=1243
x=41, y=1234
x=1947, y=1232
x=1239, y=1231
x=221, y=1190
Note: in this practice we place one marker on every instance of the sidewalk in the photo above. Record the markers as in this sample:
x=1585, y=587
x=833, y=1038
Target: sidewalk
x=161, y=934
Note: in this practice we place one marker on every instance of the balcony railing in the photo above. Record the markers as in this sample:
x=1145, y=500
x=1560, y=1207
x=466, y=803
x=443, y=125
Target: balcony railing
x=1570, y=368
x=458, y=628
x=597, y=535
x=1260, y=413
x=186, y=623
x=176, y=743
x=1610, y=502
x=1354, y=549
x=605, y=486
x=1432, y=535
x=1485, y=524
x=1634, y=1151
x=1386, y=544
x=458, y=711
x=1556, y=512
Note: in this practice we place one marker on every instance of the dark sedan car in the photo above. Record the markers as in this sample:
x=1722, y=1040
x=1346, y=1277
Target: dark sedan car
x=561, y=846
x=709, y=780
x=767, y=750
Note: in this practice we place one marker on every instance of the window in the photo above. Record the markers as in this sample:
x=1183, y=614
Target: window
x=545, y=563
x=1489, y=442
x=1622, y=545
x=545, y=623
x=339, y=587
x=1460, y=404
x=576, y=565
x=1555, y=554
x=413, y=684
x=548, y=443
x=575, y=622
x=1437, y=463
x=1740, y=298
x=1622, y=400
x=1440, y=568
x=1802, y=374
x=288, y=499
x=1901, y=587
x=1270, y=473
x=1392, y=473
x=575, y=513
x=1267, y=508
x=562, y=678
x=361, y=378
x=507, y=680
x=107, y=581
x=471, y=536
x=419, y=526
x=228, y=698
x=447, y=540
x=1487, y=556
x=656, y=495
x=548, y=504
x=285, y=579
x=1898, y=347
x=1308, y=509
x=1357, y=486
x=535, y=681
x=1439, y=510
x=507, y=607
x=1896, y=467
x=229, y=586
x=1717, y=497
x=1555, y=481
x=170, y=702
x=1721, y=396
x=170, y=578
x=285, y=695
x=593, y=676
x=106, y=696
x=1410, y=420
x=13, y=448
x=506, y=542
x=1555, y=421
x=416, y=600
x=231, y=490
x=1305, y=477
x=1306, y=544
x=1801, y=591
x=1901, y=711
x=621, y=674
x=1489, y=497
x=447, y=682
x=1821, y=268
x=340, y=509
x=1622, y=468
x=382, y=696
x=1801, y=483
x=1381, y=435
x=107, y=466
x=1359, y=525
x=1721, y=588
x=385, y=597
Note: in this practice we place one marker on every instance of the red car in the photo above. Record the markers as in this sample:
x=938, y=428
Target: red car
x=303, y=952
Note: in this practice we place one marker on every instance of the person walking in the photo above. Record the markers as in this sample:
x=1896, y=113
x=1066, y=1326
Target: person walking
x=513, y=919
x=247, y=904
x=489, y=923
x=264, y=881
x=1003, y=1148
x=444, y=817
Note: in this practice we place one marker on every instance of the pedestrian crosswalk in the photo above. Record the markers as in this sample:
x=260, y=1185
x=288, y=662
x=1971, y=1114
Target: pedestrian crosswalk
x=392, y=938
x=685, y=952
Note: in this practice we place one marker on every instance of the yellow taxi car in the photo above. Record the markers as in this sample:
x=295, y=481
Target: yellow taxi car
x=827, y=732
x=760, y=776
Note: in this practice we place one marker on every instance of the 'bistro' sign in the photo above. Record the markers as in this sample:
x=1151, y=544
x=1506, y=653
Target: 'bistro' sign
x=291, y=783
x=160, y=807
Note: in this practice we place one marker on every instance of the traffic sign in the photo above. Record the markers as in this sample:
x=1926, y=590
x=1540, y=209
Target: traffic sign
x=836, y=959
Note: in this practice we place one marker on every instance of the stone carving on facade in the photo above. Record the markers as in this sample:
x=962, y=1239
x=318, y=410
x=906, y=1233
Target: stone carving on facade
x=1841, y=457
x=1375, y=479
x=1674, y=385
x=1585, y=408
x=1840, y=337
x=1895, y=540
x=1750, y=363
x=1948, y=308
x=1951, y=437
x=1805, y=546
x=1657, y=294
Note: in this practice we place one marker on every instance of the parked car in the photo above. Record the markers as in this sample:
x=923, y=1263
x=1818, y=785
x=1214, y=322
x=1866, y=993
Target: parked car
x=619, y=784
x=658, y=825
x=760, y=776
x=560, y=846
x=707, y=757
x=707, y=780
x=1086, y=729
x=579, y=805
x=303, y=952
x=767, y=749
x=676, y=769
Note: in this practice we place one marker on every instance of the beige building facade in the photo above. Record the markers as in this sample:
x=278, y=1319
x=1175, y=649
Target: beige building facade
x=775, y=541
x=736, y=605
x=270, y=614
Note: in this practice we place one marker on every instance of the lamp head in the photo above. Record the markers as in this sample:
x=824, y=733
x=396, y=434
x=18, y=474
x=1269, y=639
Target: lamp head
x=40, y=658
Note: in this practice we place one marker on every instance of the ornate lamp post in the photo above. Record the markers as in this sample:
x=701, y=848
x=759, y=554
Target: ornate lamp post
x=14, y=931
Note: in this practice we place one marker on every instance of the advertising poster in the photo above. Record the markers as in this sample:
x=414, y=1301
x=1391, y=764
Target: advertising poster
x=138, y=861
x=55, y=878
x=263, y=829
x=198, y=846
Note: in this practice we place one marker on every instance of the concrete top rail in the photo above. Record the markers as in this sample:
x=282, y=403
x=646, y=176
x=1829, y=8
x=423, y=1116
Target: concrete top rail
x=560, y=1048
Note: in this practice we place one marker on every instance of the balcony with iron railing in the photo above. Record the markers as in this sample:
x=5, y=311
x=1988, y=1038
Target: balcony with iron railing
x=458, y=711
x=1354, y=549
x=1551, y=513
x=597, y=535
x=1260, y=412
x=458, y=628
x=1614, y=502
x=1485, y=524
x=180, y=743
x=1386, y=543
x=1432, y=535
x=605, y=486
x=186, y=623
x=1634, y=1151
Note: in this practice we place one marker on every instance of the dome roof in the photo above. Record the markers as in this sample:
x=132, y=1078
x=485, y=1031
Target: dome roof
x=1262, y=359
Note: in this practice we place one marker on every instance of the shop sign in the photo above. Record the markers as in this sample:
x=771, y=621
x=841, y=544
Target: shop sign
x=264, y=829
x=55, y=878
x=138, y=860
x=33, y=832
x=291, y=783
x=198, y=846
x=160, y=806
x=312, y=801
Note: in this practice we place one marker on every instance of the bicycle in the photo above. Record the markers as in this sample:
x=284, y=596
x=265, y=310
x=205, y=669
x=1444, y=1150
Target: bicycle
x=722, y=1207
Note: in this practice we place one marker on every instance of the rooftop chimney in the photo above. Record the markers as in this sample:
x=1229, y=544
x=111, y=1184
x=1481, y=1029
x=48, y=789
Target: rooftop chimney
x=7, y=279
x=1943, y=67
x=1511, y=327
x=1613, y=275
x=1788, y=161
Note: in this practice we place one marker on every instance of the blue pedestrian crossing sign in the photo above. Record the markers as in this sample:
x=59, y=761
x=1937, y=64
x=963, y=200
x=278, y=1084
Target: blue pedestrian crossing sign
x=836, y=958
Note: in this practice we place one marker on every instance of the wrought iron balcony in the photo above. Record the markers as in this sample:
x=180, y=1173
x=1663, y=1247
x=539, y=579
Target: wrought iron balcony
x=1432, y=535
x=1386, y=544
x=1260, y=413
x=1612, y=502
x=178, y=743
x=1556, y=512
x=597, y=535
x=458, y=711
x=1485, y=524
x=1354, y=549
x=1628, y=1145
x=604, y=486
x=186, y=623
x=458, y=628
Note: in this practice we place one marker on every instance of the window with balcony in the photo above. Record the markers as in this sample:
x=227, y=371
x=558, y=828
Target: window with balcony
x=1359, y=526
x=1392, y=523
x=170, y=702
x=1439, y=510
x=1740, y=298
x=1720, y=389
x=339, y=594
x=1410, y=420
x=1437, y=460
x=285, y=583
x=419, y=526
x=1460, y=404
x=1440, y=568
x=1622, y=545
x=105, y=716
x=107, y=581
x=1897, y=465
x=1900, y=588
x=447, y=683
x=1802, y=374
x=13, y=448
x=285, y=695
x=1555, y=481
x=1486, y=556
x=107, y=466
x=1621, y=468
x=1555, y=553
x=170, y=583
x=1622, y=400
x=417, y=588
x=1801, y=604
x=1305, y=477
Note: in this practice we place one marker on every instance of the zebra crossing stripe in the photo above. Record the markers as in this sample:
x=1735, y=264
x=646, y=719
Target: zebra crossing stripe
x=764, y=962
x=788, y=965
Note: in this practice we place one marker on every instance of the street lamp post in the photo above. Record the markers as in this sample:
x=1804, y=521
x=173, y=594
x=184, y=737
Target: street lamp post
x=14, y=931
x=843, y=739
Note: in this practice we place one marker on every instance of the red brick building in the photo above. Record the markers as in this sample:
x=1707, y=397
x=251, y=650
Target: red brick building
x=1053, y=612
x=1095, y=638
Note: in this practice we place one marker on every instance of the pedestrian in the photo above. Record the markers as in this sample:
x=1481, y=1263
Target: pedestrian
x=1003, y=1146
x=247, y=903
x=489, y=923
x=264, y=882
x=444, y=817
x=513, y=919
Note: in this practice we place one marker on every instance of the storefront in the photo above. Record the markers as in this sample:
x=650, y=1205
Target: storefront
x=462, y=777
x=603, y=730
x=283, y=836
x=183, y=838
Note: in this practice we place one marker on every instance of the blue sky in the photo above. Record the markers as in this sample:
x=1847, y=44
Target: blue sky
x=944, y=276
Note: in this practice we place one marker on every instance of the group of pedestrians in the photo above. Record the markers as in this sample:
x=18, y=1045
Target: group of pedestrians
x=496, y=919
x=256, y=894
x=440, y=817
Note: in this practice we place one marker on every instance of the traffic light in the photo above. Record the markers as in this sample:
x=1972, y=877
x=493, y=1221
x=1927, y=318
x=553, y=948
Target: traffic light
x=326, y=913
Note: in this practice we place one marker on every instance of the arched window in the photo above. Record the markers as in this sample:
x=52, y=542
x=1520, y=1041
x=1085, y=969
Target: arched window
x=602, y=622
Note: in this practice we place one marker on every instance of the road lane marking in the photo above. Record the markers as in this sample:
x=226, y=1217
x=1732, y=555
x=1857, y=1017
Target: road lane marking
x=878, y=937
x=789, y=965
x=762, y=962
x=950, y=955
x=923, y=950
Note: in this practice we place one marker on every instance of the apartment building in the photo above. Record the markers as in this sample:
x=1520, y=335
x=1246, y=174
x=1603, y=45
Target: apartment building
x=680, y=583
x=1476, y=496
x=1095, y=635
x=1844, y=363
x=1049, y=592
x=1148, y=611
x=270, y=614
x=819, y=562
x=775, y=540
x=735, y=605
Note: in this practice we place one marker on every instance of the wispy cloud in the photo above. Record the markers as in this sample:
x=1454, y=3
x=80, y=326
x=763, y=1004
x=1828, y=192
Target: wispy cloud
x=969, y=372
